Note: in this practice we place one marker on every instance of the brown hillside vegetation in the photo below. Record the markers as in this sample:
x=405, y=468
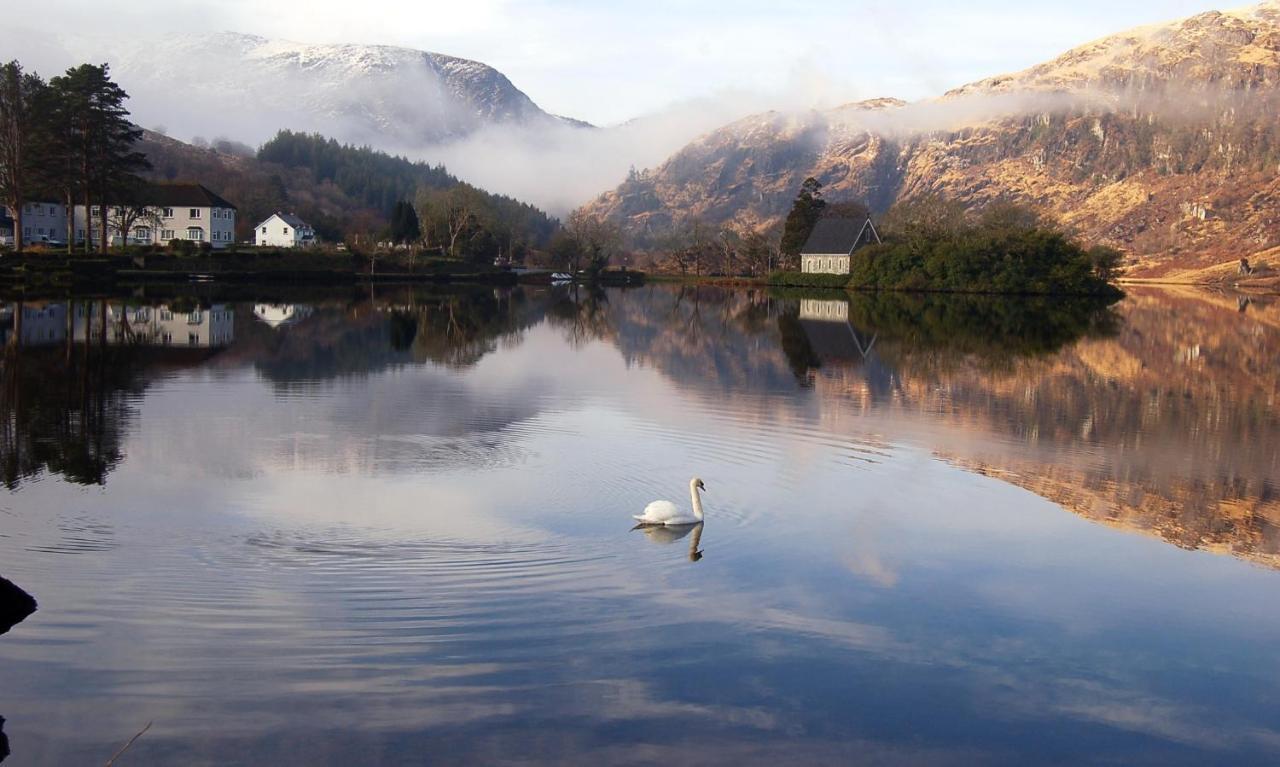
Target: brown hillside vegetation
x=1161, y=141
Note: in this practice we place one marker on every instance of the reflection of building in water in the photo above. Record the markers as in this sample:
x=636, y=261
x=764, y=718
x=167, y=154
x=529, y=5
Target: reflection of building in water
x=832, y=311
x=47, y=323
x=276, y=315
x=831, y=336
x=38, y=323
x=165, y=326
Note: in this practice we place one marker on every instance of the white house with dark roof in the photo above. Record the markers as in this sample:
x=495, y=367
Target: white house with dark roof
x=165, y=212
x=830, y=247
x=284, y=230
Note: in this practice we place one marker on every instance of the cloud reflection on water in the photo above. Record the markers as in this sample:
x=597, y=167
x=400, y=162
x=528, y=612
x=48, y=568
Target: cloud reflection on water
x=432, y=552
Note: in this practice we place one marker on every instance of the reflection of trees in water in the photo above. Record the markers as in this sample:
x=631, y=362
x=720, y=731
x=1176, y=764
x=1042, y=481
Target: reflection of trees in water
x=461, y=329
x=1156, y=415
x=993, y=332
x=705, y=336
x=581, y=311
x=65, y=408
x=452, y=327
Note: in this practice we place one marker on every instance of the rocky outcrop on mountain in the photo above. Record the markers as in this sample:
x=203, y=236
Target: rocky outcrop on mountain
x=1161, y=141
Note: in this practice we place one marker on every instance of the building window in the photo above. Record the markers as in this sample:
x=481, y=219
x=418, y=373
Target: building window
x=195, y=233
x=166, y=234
x=264, y=230
x=168, y=212
x=142, y=233
x=286, y=230
x=194, y=213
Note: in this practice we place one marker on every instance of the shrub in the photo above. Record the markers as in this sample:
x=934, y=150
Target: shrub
x=803, y=280
x=1003, y=253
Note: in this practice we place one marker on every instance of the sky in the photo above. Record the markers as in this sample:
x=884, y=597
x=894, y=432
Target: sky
x=610, y=62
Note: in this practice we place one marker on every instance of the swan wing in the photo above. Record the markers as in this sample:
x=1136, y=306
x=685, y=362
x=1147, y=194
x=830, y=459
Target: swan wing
x=659, y=513
x=665, y=513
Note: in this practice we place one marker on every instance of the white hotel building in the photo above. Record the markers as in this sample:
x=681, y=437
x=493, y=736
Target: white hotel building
x=173, y=212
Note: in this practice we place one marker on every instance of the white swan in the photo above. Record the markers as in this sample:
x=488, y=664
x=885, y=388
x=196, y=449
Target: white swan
x=667, y=513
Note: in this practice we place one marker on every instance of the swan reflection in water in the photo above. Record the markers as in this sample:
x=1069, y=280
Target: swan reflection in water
x=668, y=534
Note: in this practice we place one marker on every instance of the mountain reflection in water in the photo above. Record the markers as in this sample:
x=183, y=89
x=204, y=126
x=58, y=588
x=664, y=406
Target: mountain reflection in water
x=1157, y=414
x=384, y=524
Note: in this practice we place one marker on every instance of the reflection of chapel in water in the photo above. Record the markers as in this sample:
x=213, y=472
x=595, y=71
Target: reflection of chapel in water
x=831, y=336
x=43, y=324
x=277, y=315
x=835, y=347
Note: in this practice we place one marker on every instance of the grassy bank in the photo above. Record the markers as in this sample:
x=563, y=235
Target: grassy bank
x=241, y=265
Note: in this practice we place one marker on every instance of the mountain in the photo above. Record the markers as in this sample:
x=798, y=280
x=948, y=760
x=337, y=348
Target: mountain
x=247, y=87
x=1161, y=141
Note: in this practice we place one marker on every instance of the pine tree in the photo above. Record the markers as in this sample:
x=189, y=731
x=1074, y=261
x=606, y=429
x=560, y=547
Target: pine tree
x=20, y=96
x=102, y=137
x=404, y=223
x=59, y=160
x=804, y=216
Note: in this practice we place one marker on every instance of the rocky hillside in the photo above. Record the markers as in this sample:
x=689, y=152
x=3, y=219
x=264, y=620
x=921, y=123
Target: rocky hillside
x=251, y=86
x=1161, y=141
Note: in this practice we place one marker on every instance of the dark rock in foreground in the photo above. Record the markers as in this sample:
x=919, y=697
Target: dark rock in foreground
x=15, y=605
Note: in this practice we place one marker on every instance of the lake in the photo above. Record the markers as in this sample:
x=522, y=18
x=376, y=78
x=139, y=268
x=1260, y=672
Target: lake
x=393, y=526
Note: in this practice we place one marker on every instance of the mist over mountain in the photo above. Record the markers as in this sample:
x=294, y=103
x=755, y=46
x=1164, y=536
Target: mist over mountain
x=1161, y=140
x=427, y=106
x=248, y=87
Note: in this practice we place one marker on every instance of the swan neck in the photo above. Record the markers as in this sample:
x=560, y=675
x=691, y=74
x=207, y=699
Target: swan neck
x=697, y=501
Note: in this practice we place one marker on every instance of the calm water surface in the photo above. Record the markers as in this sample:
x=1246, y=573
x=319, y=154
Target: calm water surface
x=394, y=527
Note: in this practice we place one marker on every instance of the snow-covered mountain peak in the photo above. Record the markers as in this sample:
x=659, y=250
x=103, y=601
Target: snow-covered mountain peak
x=246, y=87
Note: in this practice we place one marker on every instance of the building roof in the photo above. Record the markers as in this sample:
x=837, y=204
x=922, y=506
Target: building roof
x=839, y=236
x=289, y=219
x=837, y=341
x=185, y=196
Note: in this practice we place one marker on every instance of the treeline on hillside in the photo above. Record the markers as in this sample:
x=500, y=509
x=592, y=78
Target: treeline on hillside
x=259, y=189
x=373, y=179
x=456, y=218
